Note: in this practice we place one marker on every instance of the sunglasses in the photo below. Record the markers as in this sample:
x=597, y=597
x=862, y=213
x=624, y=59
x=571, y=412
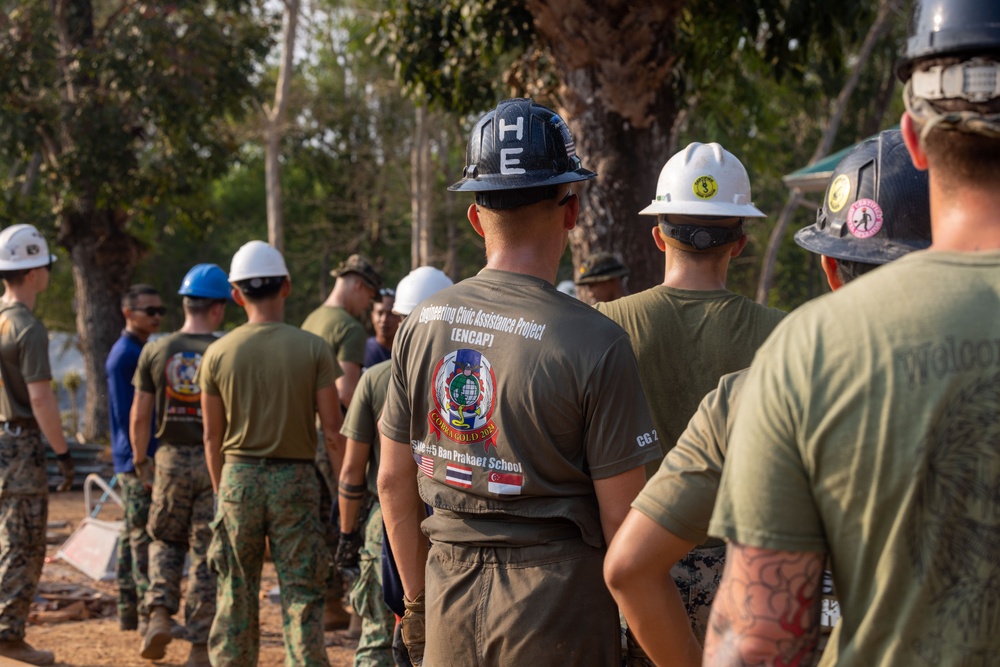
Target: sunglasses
x=387, y=291
x=153, y=311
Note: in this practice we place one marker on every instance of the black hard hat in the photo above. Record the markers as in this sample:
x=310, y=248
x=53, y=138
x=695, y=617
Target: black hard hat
x=950, y=28
x=877, y=206
x=518, y=146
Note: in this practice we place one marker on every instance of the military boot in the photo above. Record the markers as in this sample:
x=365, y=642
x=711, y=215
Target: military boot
x=18, y=649
x=198, y=657
x=154, y=644
x=335, y=617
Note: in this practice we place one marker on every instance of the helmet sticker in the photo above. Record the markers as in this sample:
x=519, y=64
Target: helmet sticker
x=840, y=190
x=864, y=218
x=705, y=187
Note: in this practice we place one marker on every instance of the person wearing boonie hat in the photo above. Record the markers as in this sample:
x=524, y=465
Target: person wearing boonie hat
x=516, y=413
x=28, y=410
x=183, y=503
x=338, y=322
x=262, y=387
x=601, y=277
x=867, y=431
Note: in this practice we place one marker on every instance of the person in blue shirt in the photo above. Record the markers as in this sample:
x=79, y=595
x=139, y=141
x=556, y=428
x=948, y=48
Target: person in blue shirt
x=143, y=310
x=385, y=322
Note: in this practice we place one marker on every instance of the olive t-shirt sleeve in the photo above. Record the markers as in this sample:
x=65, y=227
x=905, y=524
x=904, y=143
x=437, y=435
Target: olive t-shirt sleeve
x=395, y=423
x=143, y=378
x=359, y=423
x=620, y=438
x=765, y=499
x=205, y=377
x=327, y=370
x=352, y=347
x=34, y=359
x=681, y=495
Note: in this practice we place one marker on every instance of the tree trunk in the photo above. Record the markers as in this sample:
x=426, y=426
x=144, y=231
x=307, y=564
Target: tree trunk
x=275, y=127
x=420, y=179
x=103, y=264
x=620, y=133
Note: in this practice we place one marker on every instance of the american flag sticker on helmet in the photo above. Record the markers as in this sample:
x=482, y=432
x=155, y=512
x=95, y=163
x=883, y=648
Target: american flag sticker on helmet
x=505, y=484
x=457, y=475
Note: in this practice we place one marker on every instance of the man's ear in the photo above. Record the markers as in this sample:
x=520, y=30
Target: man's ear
x=572, y=211
x=658, y=239
x=912, y=141
x=738, y=246
x=473, y=215
x=238, y=297
x=286, y=287
x=829, y=265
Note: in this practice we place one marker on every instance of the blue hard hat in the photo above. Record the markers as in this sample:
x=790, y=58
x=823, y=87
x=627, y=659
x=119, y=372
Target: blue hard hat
x=206, y=281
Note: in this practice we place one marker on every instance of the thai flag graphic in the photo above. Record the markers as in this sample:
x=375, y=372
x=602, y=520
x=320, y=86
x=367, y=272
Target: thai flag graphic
x=503, y=484
x=457, y=475
x=426, y=464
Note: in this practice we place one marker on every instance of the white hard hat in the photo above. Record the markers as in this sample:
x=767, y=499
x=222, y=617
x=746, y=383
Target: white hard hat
x=419, y=284
x=257, y=259
x=703, y=179
x=22, y=247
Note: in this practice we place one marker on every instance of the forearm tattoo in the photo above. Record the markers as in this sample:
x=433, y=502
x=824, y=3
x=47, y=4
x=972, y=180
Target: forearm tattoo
x=767, y=609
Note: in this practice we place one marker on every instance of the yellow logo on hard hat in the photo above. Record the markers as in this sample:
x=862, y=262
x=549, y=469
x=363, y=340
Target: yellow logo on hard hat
x=840, y=189
x=705, y=187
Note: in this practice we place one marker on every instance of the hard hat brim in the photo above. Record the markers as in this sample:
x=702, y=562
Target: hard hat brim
x=872, y=251
x=709, y=208
x=494, y=182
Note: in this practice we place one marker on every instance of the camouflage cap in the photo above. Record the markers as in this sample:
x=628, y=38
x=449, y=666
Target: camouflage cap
x=361, y=266
x=600, y=267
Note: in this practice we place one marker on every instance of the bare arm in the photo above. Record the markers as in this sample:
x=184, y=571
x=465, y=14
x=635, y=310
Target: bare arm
x=140, y=423
x=213, y=416
x=402, y=511
x=615, y=495
x=352, y=483
x=637, y=570
x=348, y=382
x=767, y=609
x=331, y=419
x=46, y=411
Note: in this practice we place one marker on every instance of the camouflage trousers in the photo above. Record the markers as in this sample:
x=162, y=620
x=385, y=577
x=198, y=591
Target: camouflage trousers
x=377, y=620
x=24, y=507
x=697, y=576
x=132, y=569
x=277, y=502
x=180, y=523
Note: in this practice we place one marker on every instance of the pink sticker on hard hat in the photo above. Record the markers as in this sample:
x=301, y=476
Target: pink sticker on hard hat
x=864, y=218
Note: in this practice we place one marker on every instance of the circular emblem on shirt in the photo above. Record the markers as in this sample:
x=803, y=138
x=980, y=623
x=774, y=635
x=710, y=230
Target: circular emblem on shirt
x=464, y=390
x=180, y=371
x=840, y=189
x=864, y=218
x=705, y=187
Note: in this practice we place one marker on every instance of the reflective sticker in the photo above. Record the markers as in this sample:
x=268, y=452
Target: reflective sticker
x=840, y=189
x=864, y=218
x=705, y=187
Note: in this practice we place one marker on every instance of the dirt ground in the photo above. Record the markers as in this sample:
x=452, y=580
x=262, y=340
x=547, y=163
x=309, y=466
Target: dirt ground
x=99, y=643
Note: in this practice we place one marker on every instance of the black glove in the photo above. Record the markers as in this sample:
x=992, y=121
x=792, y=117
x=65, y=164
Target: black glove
x=413, y=628
x=65, y=463
x=347, y=556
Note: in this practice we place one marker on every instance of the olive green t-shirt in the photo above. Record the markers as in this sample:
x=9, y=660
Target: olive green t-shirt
x=167, y=369
x=684, y=341
x=361, y=420
x=267, y=375
x=344, y=334
x=869, y=428
x=514, y=398
x=681, y=495
x=24, y=358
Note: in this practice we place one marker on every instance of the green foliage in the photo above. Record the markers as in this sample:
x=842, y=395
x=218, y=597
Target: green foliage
x=448, y=51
